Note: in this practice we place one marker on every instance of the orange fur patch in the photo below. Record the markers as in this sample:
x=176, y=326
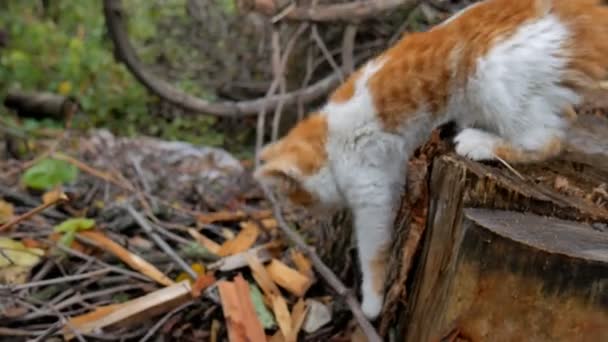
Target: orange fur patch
x=302, y=149
x=588, y=20
x=304, y=146
x=346, y=91
x=513, y=154
x=424, y=67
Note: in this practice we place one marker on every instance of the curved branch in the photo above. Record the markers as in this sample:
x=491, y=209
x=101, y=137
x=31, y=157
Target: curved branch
x=126, y=53
x=348, y=12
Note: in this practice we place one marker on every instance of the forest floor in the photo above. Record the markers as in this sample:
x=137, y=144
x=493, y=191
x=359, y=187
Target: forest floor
x=114, y=238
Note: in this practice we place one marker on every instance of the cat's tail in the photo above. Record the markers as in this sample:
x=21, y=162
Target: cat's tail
x=588, y=47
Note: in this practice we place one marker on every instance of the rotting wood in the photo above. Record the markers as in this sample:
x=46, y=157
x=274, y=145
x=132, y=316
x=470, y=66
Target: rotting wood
x=40, y=105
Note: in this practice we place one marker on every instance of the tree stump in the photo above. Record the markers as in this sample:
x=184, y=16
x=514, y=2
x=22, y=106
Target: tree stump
x=506, y=254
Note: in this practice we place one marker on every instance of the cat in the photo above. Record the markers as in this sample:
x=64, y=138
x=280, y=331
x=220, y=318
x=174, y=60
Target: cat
x=507, y=72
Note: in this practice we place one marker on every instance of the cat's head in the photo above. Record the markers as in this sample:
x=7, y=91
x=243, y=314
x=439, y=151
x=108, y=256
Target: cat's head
x=296, y=167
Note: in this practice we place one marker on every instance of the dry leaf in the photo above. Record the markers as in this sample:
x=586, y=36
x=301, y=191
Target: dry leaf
x=54, y=196
x=7, y=211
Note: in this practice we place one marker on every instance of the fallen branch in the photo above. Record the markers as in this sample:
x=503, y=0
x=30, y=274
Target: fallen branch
x=323, y=270
x=114, y=19
x=355, y=11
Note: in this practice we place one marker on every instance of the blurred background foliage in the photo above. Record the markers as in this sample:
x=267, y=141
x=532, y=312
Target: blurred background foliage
x=61, y=46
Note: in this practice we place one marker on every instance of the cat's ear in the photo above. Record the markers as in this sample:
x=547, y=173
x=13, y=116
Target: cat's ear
x=281, y=173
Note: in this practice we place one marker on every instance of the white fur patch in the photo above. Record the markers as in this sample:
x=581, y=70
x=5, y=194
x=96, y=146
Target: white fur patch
x=516, y=86
x=476, y=144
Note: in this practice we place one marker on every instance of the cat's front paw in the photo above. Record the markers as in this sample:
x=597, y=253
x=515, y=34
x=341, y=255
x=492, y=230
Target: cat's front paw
x=476, y=144
x=372, y=305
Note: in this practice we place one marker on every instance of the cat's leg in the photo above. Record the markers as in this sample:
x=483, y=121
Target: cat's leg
x=539, y=137
x=533, y=145
x=373, y=225
x=374, y=200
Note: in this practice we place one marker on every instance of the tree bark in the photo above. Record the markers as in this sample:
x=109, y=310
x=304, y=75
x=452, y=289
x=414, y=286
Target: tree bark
x=506, y=254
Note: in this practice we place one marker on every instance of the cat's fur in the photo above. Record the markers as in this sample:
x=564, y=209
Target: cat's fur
x=507, y=71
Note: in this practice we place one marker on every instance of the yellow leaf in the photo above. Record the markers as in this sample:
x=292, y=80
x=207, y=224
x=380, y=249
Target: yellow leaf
x=6, y=211
x=64, y=88
x=16, y=261
x=198, y=268
x=15, y=253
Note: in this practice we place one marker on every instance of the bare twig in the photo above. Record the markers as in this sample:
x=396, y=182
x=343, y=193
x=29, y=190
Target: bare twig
x=323, y=270
x=63, y=279
x=33, y=212
x=114, y=20
x=330, y=59
x=9, y=193
x=164, y=320
x=281, y=75
x=348, y=48
x=348, y=12
x=143, y=223
x=108, y=266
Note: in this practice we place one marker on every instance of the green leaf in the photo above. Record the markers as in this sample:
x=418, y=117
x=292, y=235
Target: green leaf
x=74, y=225
x=49, y=173
x=262, y=312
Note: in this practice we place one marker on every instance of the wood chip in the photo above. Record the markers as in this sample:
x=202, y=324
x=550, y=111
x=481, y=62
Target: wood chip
x=262, y=277
x=281, y=314
x=202, y=283
x=253, y=326
x=298, y=314
x=288, y=278
x=242, y=321
x=239, y=260
x=133, y=311
x=242, y=242
x=204, y=241
x=302, y=263
x=133, y=260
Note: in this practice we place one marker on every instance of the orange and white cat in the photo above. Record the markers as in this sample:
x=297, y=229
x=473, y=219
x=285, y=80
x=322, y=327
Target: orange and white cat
x=506, y=71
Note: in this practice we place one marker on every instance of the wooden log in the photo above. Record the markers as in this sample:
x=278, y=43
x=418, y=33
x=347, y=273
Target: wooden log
x=508, y=276
x=572, y=187
x=40, y=105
